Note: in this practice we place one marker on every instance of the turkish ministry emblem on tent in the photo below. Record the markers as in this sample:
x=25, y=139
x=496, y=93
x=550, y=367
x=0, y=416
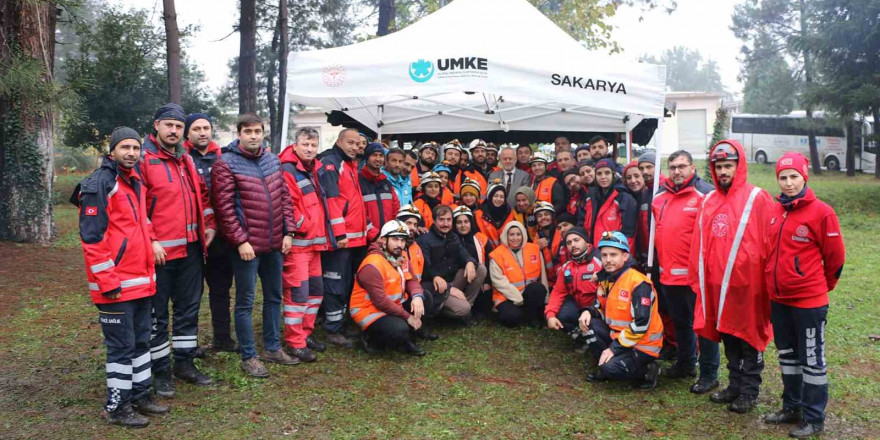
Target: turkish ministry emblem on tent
x=333, y=76
x=421, y=70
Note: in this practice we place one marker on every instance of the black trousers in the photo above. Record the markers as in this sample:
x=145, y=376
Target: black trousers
x=531, y=310
x=799, y=335
x=126, y=328
x=626, y=364
x=339, y=268
x=680, y=301
x=218, y=275
x=389, y=332
x=744, y=363
x=180, y=282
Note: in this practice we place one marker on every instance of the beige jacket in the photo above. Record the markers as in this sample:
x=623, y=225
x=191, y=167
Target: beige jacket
x=499, y=280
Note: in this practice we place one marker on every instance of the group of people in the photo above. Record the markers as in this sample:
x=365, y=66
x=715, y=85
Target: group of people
x=383, y=242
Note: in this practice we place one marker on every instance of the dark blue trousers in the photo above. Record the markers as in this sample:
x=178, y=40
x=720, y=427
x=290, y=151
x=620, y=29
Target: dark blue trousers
x=799, y=335
x=680, y=302
x=126, y=328
x=178, y=281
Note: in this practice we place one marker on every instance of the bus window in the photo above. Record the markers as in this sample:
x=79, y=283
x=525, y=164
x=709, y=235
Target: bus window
x=743, y=125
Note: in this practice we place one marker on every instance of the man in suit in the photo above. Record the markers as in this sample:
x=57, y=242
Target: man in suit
x=510, y=176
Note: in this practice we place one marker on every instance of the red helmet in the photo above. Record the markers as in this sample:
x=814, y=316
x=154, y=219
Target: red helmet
x=724, y=151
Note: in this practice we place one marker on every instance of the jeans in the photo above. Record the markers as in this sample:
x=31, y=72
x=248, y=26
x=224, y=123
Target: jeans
x=268, y=266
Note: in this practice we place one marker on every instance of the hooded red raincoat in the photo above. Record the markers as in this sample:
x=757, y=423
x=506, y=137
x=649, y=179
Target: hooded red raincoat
x=727, y=260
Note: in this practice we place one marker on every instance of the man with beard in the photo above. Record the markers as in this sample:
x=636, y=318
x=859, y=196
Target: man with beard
x=575, y=289
x=479, y=162
x=510, y=176
x=727, y=261
x=523, y=158
x=217, y=268
x=341, y=262
x=398, y=175
x=452, y=160
x=182, y=220
x=561, y=143
x=575, y=191
x=676, y=209
x=449, y=269
x=547, y=188
x=380, y=200
x=428, y=155
x=384, y=289
x=492, y=156
x=112, y=224
x=599, y=149
x=410, y=168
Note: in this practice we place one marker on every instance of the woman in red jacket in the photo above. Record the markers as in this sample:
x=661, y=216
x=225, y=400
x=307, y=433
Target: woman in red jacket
x=804, y=264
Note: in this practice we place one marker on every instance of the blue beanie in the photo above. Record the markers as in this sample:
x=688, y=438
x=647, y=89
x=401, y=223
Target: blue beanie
x=373, y=148
x=193, y=118
x=170, y=111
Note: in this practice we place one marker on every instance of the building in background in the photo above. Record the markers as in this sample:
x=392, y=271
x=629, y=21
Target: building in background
x=693, y=118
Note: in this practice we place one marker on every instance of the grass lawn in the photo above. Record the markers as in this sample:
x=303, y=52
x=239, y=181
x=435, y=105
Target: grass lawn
x=480, y=382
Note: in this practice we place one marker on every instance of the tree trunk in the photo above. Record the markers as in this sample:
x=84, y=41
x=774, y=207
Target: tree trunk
x=27, y=42
x=172, y=42
x=283, y=52
x=808, y=76
x=386, y=14
x=852, y=131
x=270, y=89
x=247, y=58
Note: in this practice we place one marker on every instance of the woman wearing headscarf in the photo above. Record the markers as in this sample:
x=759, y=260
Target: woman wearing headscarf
x=518, y=278
x=494, y=213
x=478, y=246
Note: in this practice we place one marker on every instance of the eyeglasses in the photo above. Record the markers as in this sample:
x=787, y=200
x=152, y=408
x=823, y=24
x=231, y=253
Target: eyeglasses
x=674, y=168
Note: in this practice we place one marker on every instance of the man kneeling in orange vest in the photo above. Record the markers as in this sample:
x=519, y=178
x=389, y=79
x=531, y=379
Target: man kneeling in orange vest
x=387, y=302
x=624, y=332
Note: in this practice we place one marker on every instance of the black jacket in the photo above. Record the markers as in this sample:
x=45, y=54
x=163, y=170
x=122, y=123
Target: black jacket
x=444, y=254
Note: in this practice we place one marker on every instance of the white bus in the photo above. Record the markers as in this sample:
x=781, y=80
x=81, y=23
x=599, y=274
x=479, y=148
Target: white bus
x=767, y=137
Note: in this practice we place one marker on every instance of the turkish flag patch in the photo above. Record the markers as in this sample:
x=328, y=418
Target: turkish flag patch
x=646, y=301
x=624, y=294
x=91, y=210
x=329, y=167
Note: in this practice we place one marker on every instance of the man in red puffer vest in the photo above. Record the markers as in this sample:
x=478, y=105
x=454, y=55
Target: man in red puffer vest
x=115, y=235
x=183, y=224
x=315, y=193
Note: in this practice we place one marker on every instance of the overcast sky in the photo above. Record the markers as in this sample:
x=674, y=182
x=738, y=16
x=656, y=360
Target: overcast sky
x=697, y=24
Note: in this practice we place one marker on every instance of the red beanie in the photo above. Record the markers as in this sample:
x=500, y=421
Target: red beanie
x=794, y=161
x=633, y=164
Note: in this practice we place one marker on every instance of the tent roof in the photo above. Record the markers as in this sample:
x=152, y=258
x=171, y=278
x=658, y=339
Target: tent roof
x=478, y=65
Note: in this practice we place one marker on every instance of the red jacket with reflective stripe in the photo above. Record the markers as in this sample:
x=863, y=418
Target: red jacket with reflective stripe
x=344, y=170
x=380, y=200
x=310, y=192
x=178, y=201
x=675, y=215
x=114, y=233
x=618, y=212
x=733, y=298
x=807, y=253
x=574, y=278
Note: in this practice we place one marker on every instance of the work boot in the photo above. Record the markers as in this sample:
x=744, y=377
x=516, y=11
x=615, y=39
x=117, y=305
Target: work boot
x=669, y=353
x=199, y=353
x=254, y=368
x=651, y=377
x=726, y=395
x=426, y=335
x=225, y=344
x=304, y=354
x=279, y=357
x=340, y=340
x=792, y=416
x=187, y=372
x=595, y=376
x=369, y=346
x=410, y=347
x=743, y=404
x=807, y=430
x=146, y=405
x=703, y=386
x=679, y=371
x=314, y=344
x=125, y=416
x=163, y=383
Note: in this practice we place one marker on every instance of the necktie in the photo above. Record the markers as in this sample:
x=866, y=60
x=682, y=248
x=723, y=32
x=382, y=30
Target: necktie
x=509, y=178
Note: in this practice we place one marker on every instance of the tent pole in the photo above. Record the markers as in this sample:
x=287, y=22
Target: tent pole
x=284, y=122
x=657, y=162
x=380, y=110
x=629, y=146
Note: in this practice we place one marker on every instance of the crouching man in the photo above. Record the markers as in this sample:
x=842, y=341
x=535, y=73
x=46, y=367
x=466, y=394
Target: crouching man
x=384, y=289
x=625, y=332
x=119, y=264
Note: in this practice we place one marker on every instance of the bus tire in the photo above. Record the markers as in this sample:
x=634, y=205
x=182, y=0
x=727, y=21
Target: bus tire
x=761, y=158
x=832, y=163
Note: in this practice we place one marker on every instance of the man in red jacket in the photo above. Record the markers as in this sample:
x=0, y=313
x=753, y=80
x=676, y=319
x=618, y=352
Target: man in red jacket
x=257, y=218
x=310, y=189
x=341, y=262
x=380, y=199
x=804, y=264
x=183, y=227
x=115, y=235
x=217, y=268
x=726, y=270
x=675, y=210
x=575, y=289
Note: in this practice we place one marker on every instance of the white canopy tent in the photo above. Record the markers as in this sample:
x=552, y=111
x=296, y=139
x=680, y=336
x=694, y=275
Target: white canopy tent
x=477, y=65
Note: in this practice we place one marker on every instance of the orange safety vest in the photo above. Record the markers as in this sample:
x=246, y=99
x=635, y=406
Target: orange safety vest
x=362, y=310
x=616, y=306
x=519, y=276
x=480, y=240
x=425, y=212
x=476, y=176
x=416, y=260
x=446, y=197
x=544, y=189
x=548, y=253
x=492, y=233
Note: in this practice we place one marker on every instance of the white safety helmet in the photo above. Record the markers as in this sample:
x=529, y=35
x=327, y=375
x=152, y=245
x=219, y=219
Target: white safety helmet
x=394, y=228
